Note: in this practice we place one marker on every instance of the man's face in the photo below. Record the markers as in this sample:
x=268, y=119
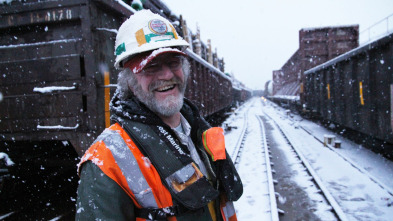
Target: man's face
x=161, y=84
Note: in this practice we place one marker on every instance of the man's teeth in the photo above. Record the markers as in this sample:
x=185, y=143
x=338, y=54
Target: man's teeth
x=166, y=88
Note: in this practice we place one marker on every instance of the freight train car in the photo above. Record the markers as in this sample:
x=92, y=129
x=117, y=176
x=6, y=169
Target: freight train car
x=240, y=95
x=56, y=71
x=355, y=90
x=57, y=78
x=316, y=46
x=208, y=87
x=341, y=83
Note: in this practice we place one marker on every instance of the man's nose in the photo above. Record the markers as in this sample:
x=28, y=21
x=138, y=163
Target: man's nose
x=165, y=73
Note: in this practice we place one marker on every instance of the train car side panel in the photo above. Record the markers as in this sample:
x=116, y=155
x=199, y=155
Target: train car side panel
x=365, y=102
x=361, y=91
x=382, y=79
x=52, y=85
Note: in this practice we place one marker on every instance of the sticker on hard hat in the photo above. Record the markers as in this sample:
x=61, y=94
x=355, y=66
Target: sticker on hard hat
x=157, y=26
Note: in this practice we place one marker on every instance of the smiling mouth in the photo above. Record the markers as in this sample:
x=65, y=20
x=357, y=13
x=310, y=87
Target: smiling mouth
x=166, y=88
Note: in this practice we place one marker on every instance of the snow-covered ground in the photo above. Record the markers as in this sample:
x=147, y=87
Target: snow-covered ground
x=256, y=182
x=356, y=193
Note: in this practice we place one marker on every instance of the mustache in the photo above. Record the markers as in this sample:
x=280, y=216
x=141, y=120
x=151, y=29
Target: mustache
x=162, y=83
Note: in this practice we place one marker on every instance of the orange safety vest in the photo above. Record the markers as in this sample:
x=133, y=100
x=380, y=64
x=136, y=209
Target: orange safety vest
x=120, y=159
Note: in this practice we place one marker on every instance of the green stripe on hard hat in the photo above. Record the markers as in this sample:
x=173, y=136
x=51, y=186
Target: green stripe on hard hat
x=120, y=49
x=150, y=36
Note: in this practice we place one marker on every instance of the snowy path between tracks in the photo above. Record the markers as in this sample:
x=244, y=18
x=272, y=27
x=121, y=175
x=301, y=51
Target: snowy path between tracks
x=359, y=197
x=252, y=167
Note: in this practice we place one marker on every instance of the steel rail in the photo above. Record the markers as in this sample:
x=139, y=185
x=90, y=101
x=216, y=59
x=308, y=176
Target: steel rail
x=268, y=170
x=272, y=195
x=240, y=141
x=351, y=162
x=373, y=178
x=335, y=206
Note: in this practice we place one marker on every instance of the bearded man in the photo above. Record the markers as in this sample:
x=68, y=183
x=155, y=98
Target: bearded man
x=160, y=160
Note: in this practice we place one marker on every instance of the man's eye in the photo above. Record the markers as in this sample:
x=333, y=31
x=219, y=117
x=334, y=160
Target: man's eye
x=151, y=67
x=174, y=64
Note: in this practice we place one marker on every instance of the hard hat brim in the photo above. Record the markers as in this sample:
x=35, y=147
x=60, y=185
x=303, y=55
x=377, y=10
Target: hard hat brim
x=137, y=63
x=148, y=47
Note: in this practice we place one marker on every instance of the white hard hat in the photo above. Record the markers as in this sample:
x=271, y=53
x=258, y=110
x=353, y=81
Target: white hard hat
x=144, y=31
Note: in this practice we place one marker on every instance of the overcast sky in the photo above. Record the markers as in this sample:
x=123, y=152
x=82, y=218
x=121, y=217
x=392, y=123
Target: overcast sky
x=256, y=37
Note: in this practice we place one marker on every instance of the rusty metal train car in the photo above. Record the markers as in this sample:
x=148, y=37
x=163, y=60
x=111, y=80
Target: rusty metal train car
x=57, y=70
x=355, y=90
x=333, y=79
x=57, y=78
x=316, y=46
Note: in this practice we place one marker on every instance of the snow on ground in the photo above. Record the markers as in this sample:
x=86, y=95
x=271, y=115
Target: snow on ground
x=376, y=165
x=359, y=196
x=236, y=122
x=319, y=206
x=255, y=202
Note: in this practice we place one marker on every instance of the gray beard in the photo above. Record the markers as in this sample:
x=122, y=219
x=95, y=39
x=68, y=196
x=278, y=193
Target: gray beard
x=168, y=107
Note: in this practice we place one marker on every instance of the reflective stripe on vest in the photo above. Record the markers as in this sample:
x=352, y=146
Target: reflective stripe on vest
x=126, y=165
x=129, y=166
x=227, y=210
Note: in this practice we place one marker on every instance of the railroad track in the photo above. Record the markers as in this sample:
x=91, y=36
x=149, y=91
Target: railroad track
x=240, y=143
x=333, y=149
x=335, y=207
x=355, y=165
x=251, y=148
x=352, y=192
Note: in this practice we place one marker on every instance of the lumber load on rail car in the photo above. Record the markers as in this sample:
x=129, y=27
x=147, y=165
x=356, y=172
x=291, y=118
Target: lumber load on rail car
x=57, y=73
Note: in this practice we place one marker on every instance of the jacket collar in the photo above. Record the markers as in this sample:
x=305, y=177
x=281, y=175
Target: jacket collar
x=133, y=109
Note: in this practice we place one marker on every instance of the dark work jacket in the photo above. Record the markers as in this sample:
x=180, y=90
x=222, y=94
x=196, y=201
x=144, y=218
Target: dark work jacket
x=99, y=197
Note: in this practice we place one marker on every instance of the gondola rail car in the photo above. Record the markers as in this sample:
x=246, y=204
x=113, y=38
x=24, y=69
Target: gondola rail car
x=57, y=72
x=316, y=46
x=240, y=95
x=290, y=102
x=342, y=83
x=355, y=90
